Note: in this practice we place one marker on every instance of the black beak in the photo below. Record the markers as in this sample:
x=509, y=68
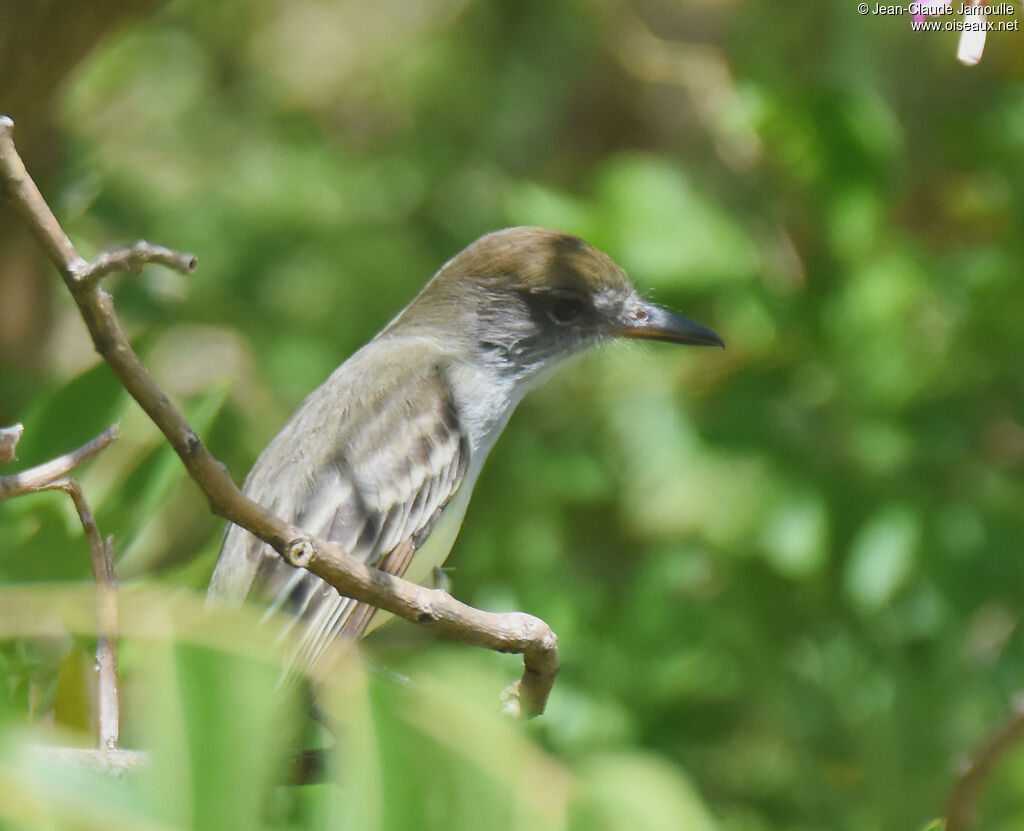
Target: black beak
x=645, y=320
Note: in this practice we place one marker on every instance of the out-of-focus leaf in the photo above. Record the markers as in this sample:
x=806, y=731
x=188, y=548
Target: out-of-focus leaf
x=796, y=537
x=636, y=792
x=881, y=557
x=665, y=230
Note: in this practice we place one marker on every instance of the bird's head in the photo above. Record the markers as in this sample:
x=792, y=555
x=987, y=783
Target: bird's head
x=526, y=297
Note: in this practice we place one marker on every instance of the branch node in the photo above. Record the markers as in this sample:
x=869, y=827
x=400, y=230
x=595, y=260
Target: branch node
x=193, y=442
x=299, y=552
x=79, y=270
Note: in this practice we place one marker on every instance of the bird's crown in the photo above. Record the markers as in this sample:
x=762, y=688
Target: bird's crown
x=534, y=259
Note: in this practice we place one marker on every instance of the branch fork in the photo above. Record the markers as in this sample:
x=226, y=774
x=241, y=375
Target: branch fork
x=52, y=475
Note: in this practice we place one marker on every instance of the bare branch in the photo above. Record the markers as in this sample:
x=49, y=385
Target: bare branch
x=51, y=475
x=132, y=259
x=503, y=632
x=106, y=649
x=40, y=477
x=961, y=810
x=9, y=438
x=507, y=633
x=102, y=561
x=29, y=203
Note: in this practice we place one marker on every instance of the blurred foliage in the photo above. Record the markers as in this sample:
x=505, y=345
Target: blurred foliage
x=786, y=577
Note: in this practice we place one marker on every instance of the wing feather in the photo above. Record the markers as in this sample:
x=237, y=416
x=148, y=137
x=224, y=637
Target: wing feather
x=373, y=476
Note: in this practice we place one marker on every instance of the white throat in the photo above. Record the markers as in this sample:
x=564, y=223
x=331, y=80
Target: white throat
x=486, y=396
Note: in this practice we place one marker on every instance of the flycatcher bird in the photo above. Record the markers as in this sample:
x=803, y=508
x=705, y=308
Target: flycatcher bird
x=382, y=458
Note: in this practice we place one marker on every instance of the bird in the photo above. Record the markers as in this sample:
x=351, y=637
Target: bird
x=382, y=458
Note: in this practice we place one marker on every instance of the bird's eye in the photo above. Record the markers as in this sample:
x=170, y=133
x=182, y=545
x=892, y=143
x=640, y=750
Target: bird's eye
x=565, y=309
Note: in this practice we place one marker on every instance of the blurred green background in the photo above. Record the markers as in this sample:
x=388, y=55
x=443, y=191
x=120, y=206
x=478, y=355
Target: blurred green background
x=787, y=577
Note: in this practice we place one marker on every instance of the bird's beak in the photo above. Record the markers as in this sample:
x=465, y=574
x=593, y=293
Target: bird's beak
x=645, y=320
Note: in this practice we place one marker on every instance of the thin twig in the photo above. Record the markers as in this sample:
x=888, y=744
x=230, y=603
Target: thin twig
x=24, y=196
x=132, y=259
x=507, y=633
x=102, y=561
x=39, y=477
x=52, y=475
x=961, y=810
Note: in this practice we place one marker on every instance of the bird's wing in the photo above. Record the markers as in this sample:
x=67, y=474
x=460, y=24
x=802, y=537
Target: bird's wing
x=367, y=467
